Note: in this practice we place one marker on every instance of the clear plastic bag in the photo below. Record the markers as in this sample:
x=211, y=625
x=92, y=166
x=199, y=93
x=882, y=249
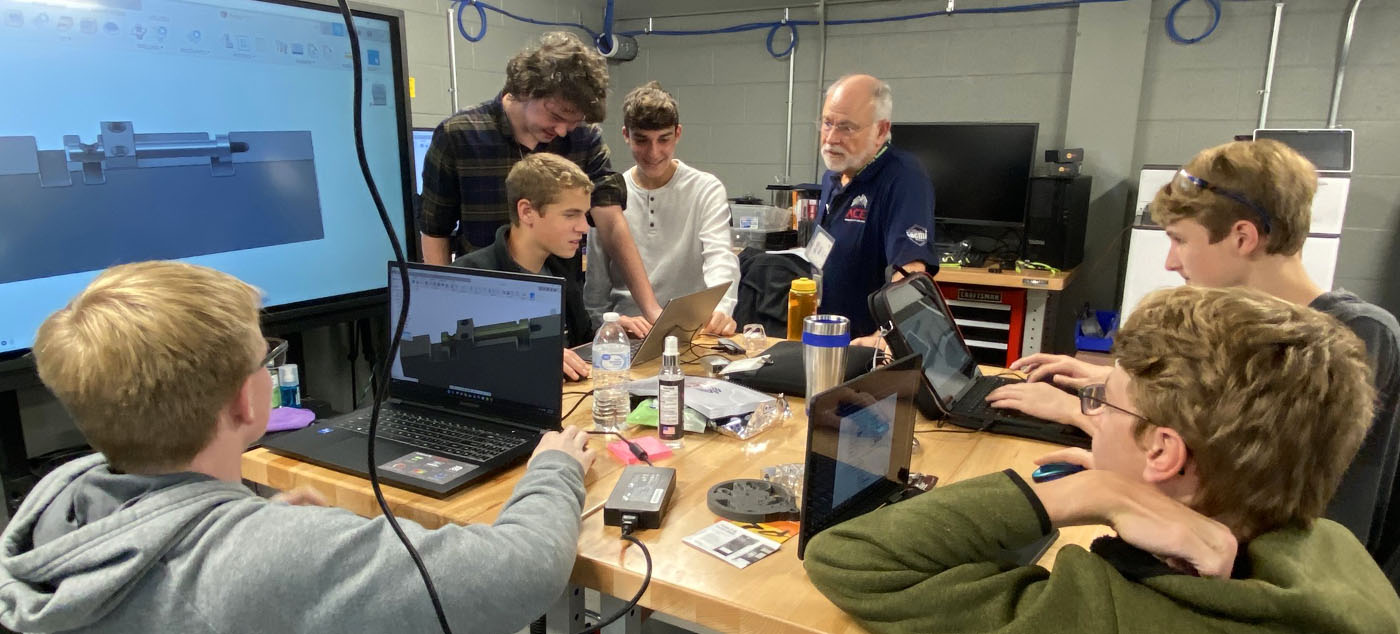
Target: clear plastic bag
x=768, y=414
x=788, y=475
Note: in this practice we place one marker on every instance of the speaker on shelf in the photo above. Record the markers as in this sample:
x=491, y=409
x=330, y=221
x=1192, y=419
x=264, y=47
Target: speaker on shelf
x=1067, y=155
x=1057, y=211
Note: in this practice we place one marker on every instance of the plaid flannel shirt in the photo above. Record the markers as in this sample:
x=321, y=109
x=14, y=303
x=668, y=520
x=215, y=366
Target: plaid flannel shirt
x=464, y=172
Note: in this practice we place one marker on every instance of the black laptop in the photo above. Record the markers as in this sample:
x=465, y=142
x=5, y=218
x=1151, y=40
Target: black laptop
x=683, y=317
x=475, y=383
x=860, y=435
x=860, y=438
x=957, y=389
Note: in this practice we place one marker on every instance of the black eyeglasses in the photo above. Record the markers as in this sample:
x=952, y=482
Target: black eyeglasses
x=1091, y=401
x=1184, y=181
x=276, y=352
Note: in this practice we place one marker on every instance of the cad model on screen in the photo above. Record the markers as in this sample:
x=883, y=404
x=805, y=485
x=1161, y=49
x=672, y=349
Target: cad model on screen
x=218, y=192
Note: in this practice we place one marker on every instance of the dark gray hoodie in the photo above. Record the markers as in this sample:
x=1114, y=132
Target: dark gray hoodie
x=96, y=551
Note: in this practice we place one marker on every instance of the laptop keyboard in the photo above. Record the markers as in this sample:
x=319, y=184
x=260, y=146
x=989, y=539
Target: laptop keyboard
x=426, y=432
x=1012, y=422
x=585, y=351
x=974, y=403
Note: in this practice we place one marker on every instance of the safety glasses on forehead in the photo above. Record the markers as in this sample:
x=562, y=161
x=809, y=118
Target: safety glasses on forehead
x=1184, y=181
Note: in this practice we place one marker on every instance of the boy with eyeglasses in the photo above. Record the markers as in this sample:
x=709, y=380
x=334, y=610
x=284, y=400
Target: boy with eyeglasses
x=1237, y=215
x=1223, y=430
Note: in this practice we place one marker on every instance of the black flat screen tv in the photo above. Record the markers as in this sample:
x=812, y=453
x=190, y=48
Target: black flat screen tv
x=980, y=171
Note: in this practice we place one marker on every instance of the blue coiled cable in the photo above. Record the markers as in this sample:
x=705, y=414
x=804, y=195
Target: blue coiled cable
x=1171, y=22
x=604, y=40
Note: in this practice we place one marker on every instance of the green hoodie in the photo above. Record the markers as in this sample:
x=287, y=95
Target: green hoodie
x=926, y=565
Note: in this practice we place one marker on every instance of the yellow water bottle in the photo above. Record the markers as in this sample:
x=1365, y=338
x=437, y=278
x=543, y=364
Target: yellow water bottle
x=802, y=302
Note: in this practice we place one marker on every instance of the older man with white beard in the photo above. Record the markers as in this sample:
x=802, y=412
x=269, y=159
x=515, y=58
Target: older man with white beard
x=876, y=205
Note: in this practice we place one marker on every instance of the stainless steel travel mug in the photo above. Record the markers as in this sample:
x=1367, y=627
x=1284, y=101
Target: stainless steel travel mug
x=824, y=342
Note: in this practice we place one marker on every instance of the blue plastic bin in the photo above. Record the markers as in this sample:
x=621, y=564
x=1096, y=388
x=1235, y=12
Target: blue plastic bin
x=1108, y=322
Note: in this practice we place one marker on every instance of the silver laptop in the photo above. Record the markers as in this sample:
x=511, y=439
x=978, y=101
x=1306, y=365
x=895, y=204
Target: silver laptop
x=683, y=317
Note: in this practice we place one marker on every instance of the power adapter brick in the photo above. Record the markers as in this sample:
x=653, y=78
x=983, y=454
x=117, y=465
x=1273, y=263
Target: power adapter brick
x=640, y=498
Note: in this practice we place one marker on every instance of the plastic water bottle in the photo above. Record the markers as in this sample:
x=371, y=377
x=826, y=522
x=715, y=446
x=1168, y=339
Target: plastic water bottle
x=290, y=384
x=612, y=363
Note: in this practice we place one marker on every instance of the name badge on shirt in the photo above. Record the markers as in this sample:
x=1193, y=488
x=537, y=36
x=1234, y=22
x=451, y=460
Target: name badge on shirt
x=819, y=247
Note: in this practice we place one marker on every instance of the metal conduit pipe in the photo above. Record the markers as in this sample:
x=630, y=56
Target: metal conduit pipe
x=1269, y=67
x=451, y=59
x=1345, y=50
x=821, y=82
x=787, y=157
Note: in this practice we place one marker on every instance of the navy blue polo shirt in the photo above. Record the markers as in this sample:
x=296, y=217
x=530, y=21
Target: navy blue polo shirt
x=883, y=218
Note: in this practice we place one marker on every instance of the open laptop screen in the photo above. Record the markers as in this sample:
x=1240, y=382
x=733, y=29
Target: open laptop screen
x=859, y=441
x=929, y=331
x=482, y=342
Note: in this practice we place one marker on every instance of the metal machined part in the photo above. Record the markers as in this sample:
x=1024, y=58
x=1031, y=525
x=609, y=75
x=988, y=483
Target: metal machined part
x=519, y=331
x=119, y=147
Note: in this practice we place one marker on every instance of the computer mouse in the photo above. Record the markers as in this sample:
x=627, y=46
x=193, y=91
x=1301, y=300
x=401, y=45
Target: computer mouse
x=1054, y=471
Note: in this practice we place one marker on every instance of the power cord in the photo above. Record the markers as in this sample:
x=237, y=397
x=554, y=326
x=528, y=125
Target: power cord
x=629, y=525
x=698, y=357
x=381, y=391
x=635, y=448
x=583, y=396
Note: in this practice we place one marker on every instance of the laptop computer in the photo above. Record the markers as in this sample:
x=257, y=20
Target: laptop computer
x=475, y=383
x=683, y=317
x=957, y=389
x=860, y=437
